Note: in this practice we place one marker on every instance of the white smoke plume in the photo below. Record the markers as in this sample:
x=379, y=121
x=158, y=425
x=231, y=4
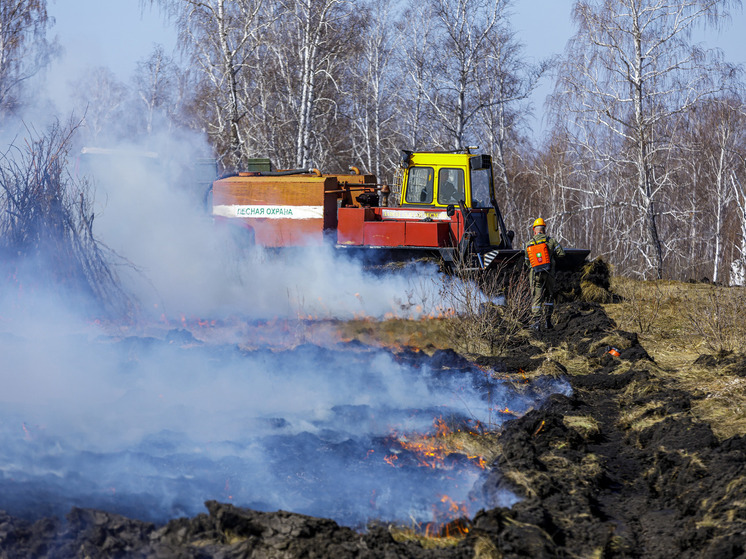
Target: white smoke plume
x=150, y=420
x=154, y=427
x=150, y=210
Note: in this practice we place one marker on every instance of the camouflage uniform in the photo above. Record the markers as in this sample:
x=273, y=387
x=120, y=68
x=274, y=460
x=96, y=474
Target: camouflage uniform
x=542, y=283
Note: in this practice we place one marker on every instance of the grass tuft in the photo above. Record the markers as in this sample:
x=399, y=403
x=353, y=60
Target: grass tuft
x=586, y=425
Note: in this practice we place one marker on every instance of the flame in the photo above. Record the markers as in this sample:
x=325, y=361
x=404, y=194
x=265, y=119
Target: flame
x=450, y=520
x=541, y=426
x=432, y=451
x=507, y=411
x=441, y=429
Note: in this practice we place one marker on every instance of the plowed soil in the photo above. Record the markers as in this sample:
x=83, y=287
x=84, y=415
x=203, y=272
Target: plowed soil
x=620, y=468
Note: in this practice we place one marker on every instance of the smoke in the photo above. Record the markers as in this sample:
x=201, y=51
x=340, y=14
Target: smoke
x=151, y=210
x=150, y=421
x=153, y=427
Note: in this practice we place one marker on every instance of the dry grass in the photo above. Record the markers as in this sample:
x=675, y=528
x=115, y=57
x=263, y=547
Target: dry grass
x=639, y=418
x=677, y=323
x=680, y=320
x=716, y=316
x=595, y=294
x=724, y=404
x=491, y=308
x=475, y=445
x=485, y=548
x=403, y=534
x=655, y=310
x=585, y=472
x=612, y=340
x=573, y=363
x=428, y=334
x=521, y=481
x=586, y=425
x=551, y=368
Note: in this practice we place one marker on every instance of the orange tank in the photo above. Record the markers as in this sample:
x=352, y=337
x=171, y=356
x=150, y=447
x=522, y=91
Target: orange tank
x=280, y=210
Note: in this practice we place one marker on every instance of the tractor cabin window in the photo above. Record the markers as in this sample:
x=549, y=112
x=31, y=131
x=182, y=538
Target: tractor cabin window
x=480, y=188
x=451, y=186
x=420, y=185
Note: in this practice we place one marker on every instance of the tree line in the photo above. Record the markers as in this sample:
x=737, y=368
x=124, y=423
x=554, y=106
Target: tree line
x=644, y=161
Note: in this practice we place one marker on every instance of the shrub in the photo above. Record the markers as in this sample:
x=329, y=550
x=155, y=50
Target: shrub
x=716, y=316
x=642, y=302
x=46, y=223
x=490, y=308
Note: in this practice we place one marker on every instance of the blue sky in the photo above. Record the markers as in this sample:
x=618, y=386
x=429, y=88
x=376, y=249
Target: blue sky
x=544, y=27
x=117, y=34
x=112, y=33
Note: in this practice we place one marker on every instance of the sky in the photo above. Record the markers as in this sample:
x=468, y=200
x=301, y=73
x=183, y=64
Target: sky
x=112, y=33
x=545, y=26
x=118, y=34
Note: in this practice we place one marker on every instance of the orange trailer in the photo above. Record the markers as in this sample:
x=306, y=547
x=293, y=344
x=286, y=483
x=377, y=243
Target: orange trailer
x=446, y=208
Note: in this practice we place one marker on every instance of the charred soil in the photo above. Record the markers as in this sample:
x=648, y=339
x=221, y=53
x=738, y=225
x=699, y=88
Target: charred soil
x=622, y=467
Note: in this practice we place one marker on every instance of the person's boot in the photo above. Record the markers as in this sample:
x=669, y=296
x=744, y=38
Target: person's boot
x=535, y=325
x=548, y=323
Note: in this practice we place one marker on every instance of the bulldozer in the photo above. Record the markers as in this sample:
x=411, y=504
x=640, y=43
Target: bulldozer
x=442, y=205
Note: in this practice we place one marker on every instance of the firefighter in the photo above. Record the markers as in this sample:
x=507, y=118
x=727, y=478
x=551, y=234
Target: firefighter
x=541, y=254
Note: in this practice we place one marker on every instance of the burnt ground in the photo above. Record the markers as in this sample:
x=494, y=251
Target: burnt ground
x=620, y=468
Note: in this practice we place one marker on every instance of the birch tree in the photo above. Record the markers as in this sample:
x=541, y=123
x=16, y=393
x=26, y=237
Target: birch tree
x=738, y=264
x=415, y=55
x=374, y=92
x=24, y=47
x=631, y=68
x=154, y=82
x=503, y=93
x=720, y=143
x=220, y=37
x=100, y=96
x=320, y=39
x=465, y=28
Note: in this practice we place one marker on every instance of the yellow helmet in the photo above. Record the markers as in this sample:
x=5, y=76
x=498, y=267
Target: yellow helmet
x=539, y=222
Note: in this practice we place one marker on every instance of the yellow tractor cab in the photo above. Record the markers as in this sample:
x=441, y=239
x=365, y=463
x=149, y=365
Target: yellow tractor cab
x=459, y=184
x=444, y=179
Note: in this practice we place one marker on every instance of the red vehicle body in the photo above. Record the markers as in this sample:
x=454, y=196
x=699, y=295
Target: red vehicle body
x=446, y=207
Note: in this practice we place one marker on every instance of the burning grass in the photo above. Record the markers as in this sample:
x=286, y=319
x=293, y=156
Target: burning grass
x=444, y=447
x=628, y=422
x=373, y=432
